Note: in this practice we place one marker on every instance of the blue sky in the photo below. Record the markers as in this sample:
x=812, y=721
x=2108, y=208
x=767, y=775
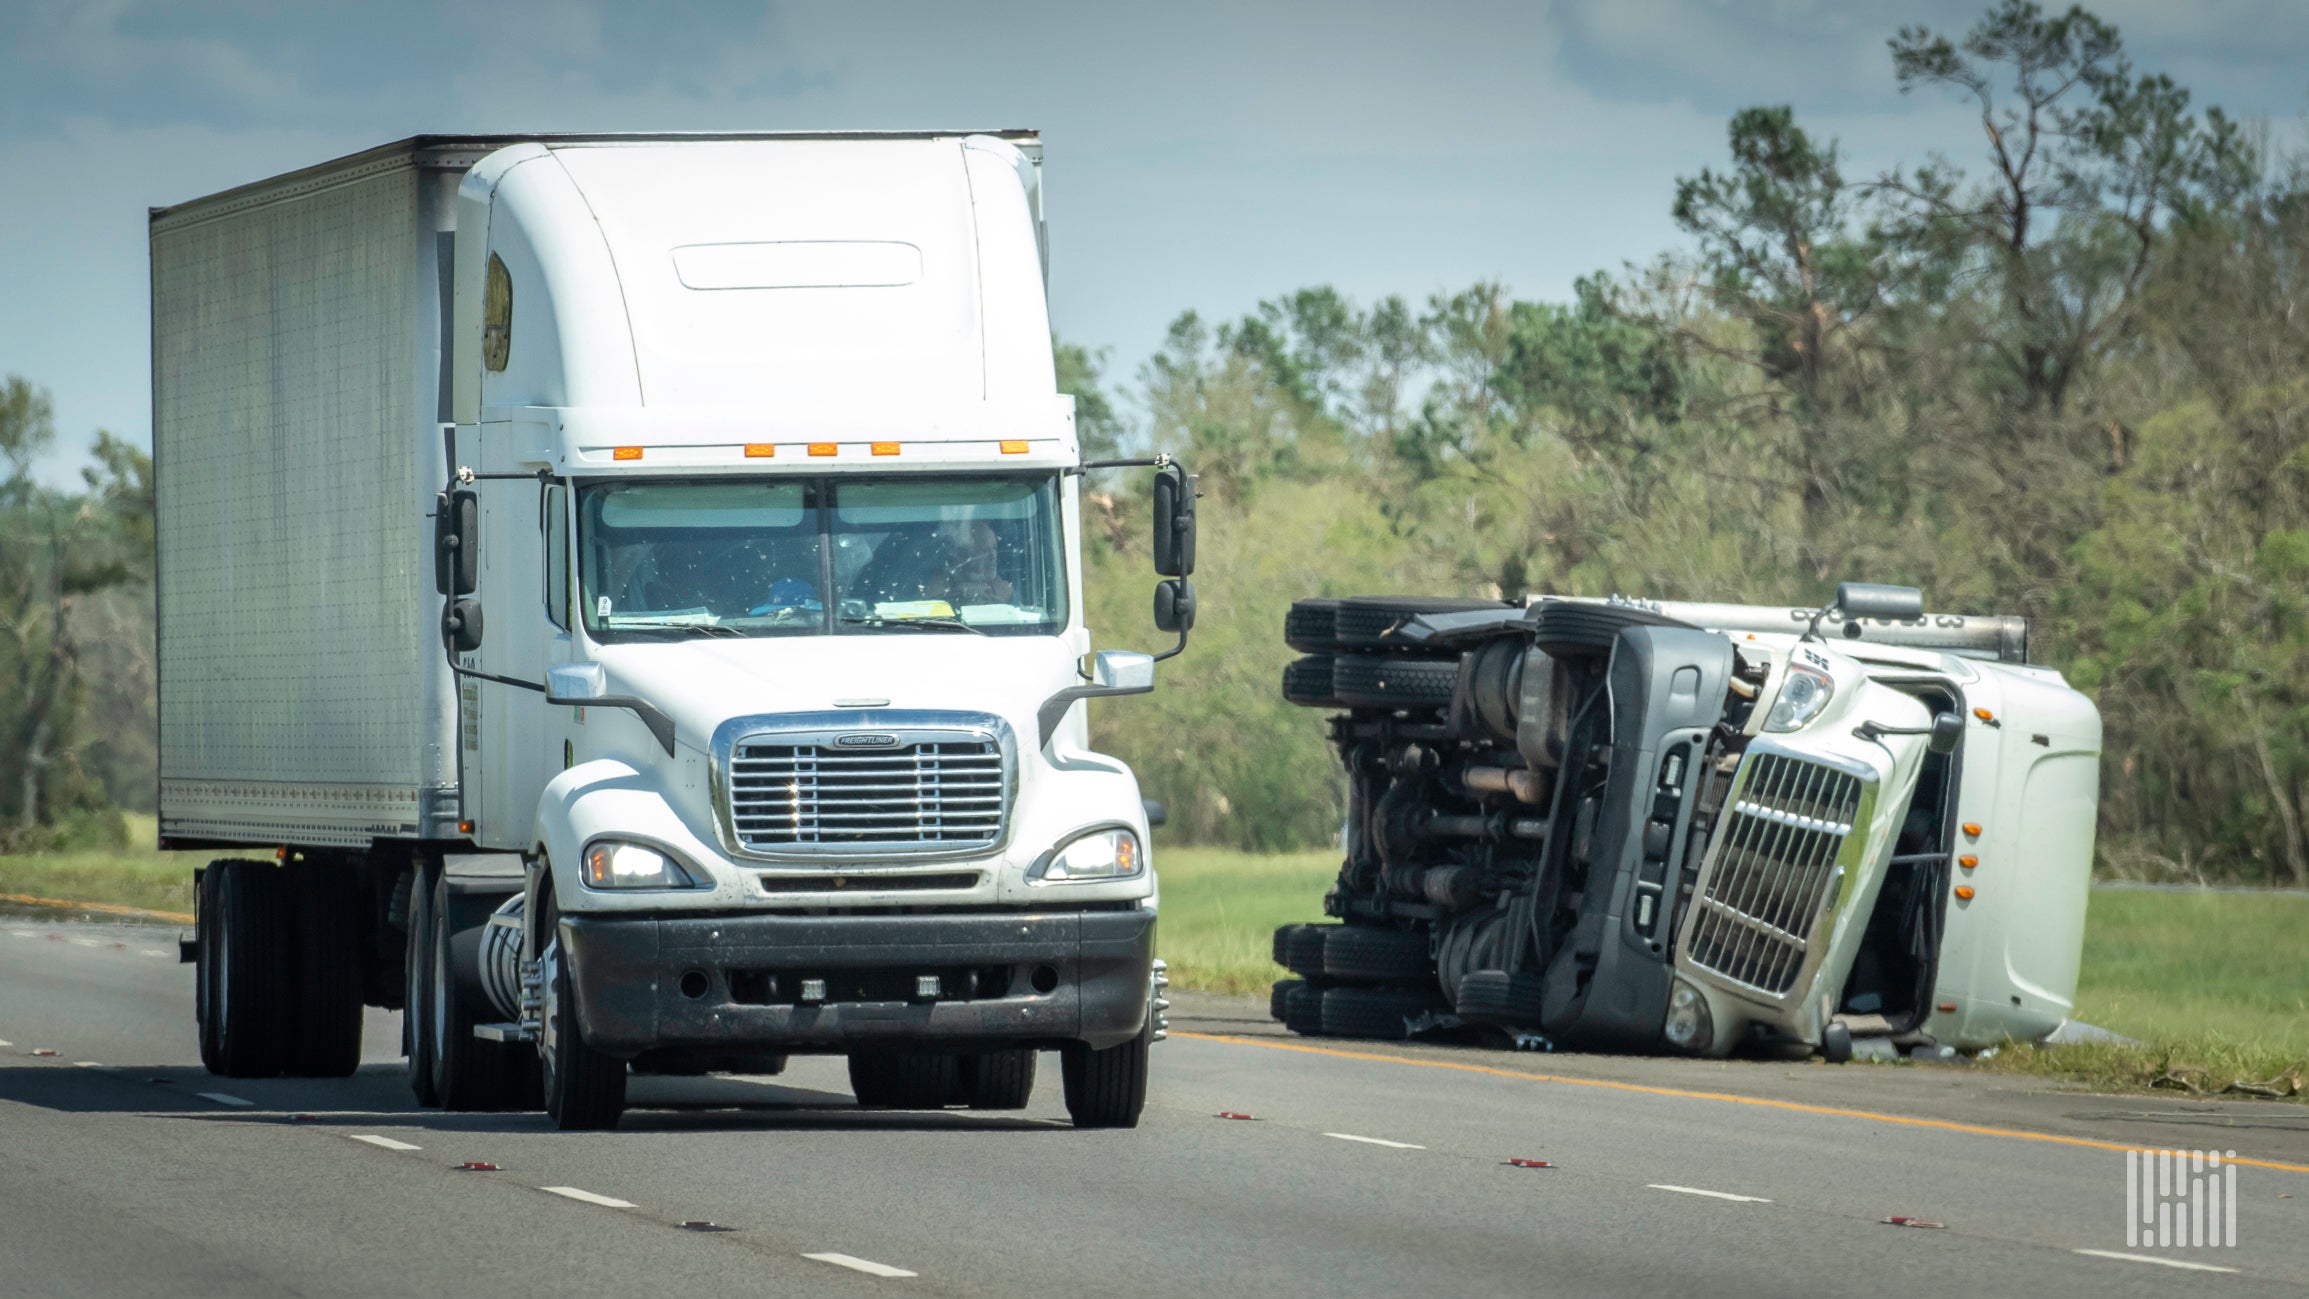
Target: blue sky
x=1199, y=155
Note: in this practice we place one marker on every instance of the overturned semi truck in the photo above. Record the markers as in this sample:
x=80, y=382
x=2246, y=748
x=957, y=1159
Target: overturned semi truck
x=1621, y=824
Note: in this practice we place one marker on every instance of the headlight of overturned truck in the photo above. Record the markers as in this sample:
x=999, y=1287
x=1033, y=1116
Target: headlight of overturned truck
x=1804, y=691
x=620, y=864
x=1108, y=853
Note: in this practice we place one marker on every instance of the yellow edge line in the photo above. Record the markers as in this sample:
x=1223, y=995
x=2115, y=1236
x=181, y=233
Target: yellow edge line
x=1796, y=1106
x=108, y=908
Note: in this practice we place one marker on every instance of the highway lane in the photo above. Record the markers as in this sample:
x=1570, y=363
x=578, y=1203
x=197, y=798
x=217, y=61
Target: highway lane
x=1362, y=1169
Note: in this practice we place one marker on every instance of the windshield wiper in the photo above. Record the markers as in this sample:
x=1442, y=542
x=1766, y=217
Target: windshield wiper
x=692, y=628
x=931, y=623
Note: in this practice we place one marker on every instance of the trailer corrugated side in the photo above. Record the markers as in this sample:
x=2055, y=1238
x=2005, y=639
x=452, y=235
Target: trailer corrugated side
x=296, y=351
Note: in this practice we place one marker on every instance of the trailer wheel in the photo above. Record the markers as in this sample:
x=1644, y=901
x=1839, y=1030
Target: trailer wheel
x=1307, y=682
x=996, y=1080
x=1384, y=1014
x=417, y=983
x=1386, y=681
x=904, y=1080
x=468, y=1073
x=584, y=1088
x=1354, y=953
x=1577, y=630
x=1299, y=948
x=1107, y=1089
x=1369, y=621
x=330, y=950
x=244, y=959
x=1311, y=625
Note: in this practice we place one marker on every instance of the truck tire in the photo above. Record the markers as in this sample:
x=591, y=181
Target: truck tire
x=1299, y=948
x=584, y=1088
x=904, y=1080
x=1499, y=997
x=1311, y=626
x=1568, y=630
x=1298, y=1006
x=245, y=960
x=417, y=983
x=1383, y=1014
x=1369, y=621
x=1359, y=955
x=330, y=946
x=1307, y=682
x=1107, y=1089
x=995, y=1080
x=1389, y=681
x=468, y=1073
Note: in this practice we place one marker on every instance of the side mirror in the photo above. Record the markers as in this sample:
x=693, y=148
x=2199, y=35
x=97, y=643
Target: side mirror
x=1174, y=606
x=1174, y=522
x=1876, y=600
x=575, y=683
x=461, y=625
x=1157, y=815
x=1123, y=670
x=456, y=543
x=1947, y=733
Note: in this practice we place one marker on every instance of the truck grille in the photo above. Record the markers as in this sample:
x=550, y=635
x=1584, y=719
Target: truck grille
x=1773, y=871
x=938, y=795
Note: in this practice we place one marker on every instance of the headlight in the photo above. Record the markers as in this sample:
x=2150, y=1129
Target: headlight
x=1109, y=854
x=615, y=864
x=1690, y=1025
x=1804, y=691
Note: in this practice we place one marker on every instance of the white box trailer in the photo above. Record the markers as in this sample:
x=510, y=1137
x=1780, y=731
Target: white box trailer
x=631, y=587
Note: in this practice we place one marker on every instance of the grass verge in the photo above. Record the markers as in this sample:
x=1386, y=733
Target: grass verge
x=144, y=878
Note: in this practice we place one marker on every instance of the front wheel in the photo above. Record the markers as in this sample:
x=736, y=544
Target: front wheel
x=1107, y=1089
x=584, y=1089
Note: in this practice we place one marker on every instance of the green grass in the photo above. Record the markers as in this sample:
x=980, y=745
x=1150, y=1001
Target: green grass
x=1220, y=909
x=141, y=877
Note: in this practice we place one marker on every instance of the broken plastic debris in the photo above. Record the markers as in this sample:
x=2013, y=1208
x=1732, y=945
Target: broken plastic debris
x=1898, y=1221
x=1230, y=1114
x=476, y=1166
x=700, y=1224
x=1529, y=1163
x=43, y=1051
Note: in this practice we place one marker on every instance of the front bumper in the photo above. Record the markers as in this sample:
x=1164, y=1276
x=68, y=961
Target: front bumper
x=1030, y=978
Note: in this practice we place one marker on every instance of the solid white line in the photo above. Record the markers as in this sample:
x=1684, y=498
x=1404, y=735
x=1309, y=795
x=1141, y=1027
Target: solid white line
x=222, y=1098
x=386, y=1142
x=1374, y=1141
x=587, y=1196
x=856, y=1264
x=1713, y=1195
x=2151, y=1258
x=89, y=1064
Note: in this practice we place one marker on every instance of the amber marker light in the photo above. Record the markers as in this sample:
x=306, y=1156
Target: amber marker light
x=885, y=448
x=824, y=448
x=760, y=450
x=1011, y=448
x=1964, y=893
x=1984, y=715
x=1972, y=829
x=626, y=453
x=1968, y=861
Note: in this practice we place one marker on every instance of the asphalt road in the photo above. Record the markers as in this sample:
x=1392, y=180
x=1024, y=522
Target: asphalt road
x=126, y=1170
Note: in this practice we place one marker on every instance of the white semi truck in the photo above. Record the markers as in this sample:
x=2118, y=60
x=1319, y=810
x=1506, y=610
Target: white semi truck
x=1653, y=825
x=629, y=588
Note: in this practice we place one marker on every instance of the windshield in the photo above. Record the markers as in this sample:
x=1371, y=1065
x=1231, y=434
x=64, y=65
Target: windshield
x=662, y=559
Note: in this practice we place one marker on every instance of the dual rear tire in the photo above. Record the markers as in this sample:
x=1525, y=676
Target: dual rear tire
x=277, y=976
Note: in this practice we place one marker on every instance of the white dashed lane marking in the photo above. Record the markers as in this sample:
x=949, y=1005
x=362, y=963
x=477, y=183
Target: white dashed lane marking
x=1374, y=1141
x=2151, y=1258
x=224, y=1098
x=4, y=1042
x=385, y=1142
x=1713, y=1195
x=90, y=1064
x=856, y=1264
x=587, y=1196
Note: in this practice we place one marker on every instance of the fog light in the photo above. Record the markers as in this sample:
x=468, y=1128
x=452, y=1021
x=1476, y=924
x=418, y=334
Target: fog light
x=927, y=987
x=813, y=989
x=1690, y=1026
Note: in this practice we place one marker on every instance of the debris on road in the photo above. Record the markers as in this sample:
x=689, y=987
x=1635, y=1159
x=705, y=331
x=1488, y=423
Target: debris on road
x=1899, y=1221
x=1529, y=1163
x=477, y=1166
x=1230, y=1114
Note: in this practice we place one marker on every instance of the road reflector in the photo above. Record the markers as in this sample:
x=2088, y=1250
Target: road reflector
x=760, y=450
x=884, y=448
x=825, y=448
x=477, y=1166
x=625, y=453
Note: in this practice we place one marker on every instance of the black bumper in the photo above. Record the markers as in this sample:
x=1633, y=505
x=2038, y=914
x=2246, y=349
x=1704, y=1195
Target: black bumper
x=1015, y=979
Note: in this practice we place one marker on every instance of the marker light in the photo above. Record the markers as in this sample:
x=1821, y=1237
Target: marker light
x=1984, y=715
x=626, y=453
x=1964, y=893
x=824, y=448
x=1968, y=861
x=1013, y=448
x=1972, y=828
x=885, y=448
x=760, y=450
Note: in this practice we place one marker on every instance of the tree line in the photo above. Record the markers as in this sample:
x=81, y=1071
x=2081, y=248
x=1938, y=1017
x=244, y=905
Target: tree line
x=2059, y=368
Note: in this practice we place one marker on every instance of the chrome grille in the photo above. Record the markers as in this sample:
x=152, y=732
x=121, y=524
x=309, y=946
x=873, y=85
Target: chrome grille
x=939, y=795
x=1773, y=870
